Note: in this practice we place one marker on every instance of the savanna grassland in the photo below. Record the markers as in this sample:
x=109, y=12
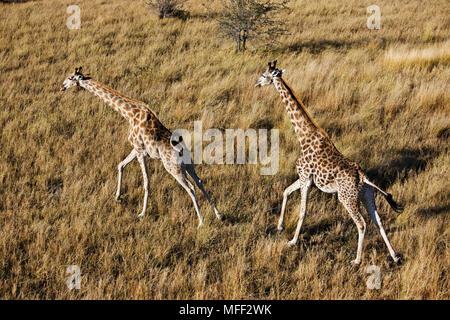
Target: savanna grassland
x=383, y=96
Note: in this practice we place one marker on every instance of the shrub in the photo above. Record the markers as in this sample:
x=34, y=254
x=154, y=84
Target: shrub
x=244, y=20
x=166, y=8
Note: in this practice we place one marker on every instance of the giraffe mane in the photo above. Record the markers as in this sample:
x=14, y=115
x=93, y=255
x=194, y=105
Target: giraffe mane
x=302, y=106
x=117, y=93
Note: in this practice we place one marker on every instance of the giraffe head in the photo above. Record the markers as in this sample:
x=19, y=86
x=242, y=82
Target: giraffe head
x=271, y=73
x=74, y=79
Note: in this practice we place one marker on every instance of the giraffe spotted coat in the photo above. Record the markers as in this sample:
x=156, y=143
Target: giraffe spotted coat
x=321, y=164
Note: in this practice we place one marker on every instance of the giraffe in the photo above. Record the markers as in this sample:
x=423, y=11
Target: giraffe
x=148, y=137
x=321, y=164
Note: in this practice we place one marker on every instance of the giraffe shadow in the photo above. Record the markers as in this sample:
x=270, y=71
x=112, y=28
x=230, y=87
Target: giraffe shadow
x=181, y=14
x=234, y=217
x=434, y=211
x=229, y=219
x=271, y=230
x=400, y=164
x=318, y=228
x=318, y=46
x=262, y=123
x=132, y=204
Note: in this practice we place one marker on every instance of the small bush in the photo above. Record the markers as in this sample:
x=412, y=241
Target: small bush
x=259, y=20
x=167, y=8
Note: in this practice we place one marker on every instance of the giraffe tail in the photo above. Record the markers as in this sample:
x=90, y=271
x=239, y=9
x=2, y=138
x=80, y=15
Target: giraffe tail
x=394, y=205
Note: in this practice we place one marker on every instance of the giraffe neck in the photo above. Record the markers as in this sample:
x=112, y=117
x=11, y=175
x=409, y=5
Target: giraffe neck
x=304, y=124
x=111, y=97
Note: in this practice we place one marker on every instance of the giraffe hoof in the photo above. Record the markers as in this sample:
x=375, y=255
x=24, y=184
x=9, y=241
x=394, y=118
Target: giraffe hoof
x=220, y=216
x=118, y=199
x=141, y=214
x=398, y=260
x=280, y=228
x=355, y=263
x=200, y=225
x=292, y=243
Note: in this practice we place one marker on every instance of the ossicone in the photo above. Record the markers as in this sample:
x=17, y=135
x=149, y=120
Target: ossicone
x=273, y=64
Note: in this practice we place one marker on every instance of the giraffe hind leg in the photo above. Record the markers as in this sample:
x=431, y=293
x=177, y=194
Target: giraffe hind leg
x=180, y=175
x=369, y=204
x=352, y=205
x=191, y=171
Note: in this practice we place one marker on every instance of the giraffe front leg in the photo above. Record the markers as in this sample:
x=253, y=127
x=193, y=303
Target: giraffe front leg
x=145, y=176
x=293, y=187
x=303, y=203
x=120, y=167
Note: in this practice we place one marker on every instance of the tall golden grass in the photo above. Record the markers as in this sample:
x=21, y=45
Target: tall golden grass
x=368, y=89
x=432, y=54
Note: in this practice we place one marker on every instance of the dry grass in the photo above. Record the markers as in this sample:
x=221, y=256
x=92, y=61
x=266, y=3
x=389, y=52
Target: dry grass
x=436, y=54
x=59, y=153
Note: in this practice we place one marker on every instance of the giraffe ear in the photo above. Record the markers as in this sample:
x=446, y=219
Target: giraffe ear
x=270, y=64
x=277, y=73
x=274, y=63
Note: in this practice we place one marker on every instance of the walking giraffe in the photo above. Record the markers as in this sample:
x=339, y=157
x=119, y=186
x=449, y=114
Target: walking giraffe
x=322, y=164
x=148, y=137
